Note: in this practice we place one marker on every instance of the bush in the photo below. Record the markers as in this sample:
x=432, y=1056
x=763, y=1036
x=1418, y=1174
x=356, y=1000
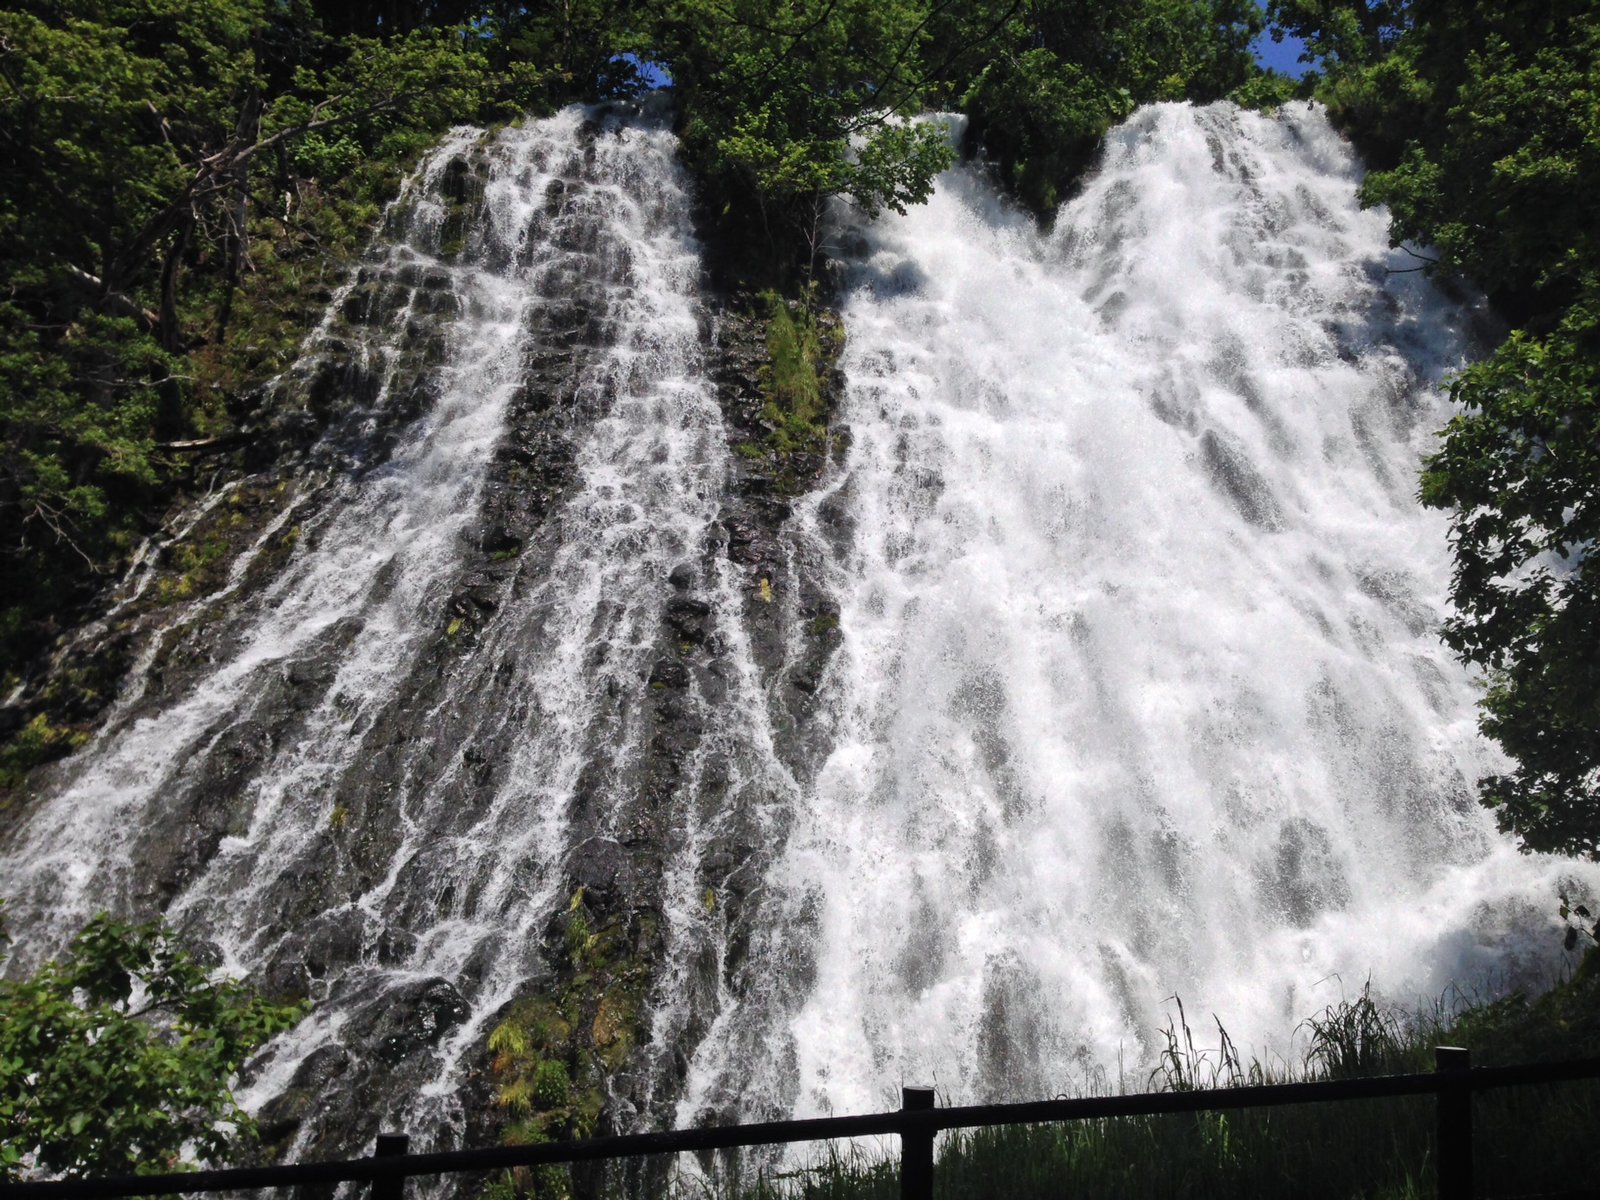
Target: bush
x=119, y=1058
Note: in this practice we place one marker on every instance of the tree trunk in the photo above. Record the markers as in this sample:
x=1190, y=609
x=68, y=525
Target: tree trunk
x=238, y=210
x=168, y=327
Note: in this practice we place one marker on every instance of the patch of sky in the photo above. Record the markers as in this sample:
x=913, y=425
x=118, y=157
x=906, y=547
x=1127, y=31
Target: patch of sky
x=1282, y=57
x=651, y=75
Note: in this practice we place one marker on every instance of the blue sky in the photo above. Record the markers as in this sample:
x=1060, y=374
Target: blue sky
x=1280, y=56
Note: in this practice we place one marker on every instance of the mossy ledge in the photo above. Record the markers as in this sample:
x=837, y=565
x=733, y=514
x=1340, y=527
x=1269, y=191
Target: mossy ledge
x=788, y=439
x=554, y=1052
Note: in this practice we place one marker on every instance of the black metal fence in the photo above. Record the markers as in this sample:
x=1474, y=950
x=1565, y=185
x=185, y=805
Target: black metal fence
x=1453, y=1083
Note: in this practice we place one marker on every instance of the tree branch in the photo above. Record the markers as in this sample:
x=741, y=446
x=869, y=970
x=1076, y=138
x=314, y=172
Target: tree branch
x=118, y=301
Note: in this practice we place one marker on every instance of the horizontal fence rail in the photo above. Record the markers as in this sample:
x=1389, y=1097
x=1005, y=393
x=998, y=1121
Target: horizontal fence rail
x=917, y=1122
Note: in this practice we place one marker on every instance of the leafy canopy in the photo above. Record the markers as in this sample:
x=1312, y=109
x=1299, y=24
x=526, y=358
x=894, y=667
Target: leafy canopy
x=1347, y=32
x=786, y=105
x=118, y=1059
x=145, y=148
x=1043, y=81
x=1520, y=467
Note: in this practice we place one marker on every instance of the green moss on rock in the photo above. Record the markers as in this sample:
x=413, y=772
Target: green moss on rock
x=802, y=346
x=553, y=1053
x=37, y=742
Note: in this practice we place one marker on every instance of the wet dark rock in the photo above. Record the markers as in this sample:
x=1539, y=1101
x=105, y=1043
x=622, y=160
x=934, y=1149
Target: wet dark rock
x=333, y=939
x=457, y=181
x=742, y=537
x=687, y=618
x=604, y=869
x=675, y=738
x=177, y=841
x=414, y=1017
x=1013, y=1036
x=322, y=945
x=669, y=673
x=1239, y=481
x=308, y=1091
x=500, y=538
x=359, y=303
x=304, y=683
x=1306, y=877
x=285, y=979
x=682, y=577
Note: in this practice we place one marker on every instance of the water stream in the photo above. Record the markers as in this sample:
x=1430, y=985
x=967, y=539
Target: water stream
x=1139, y=693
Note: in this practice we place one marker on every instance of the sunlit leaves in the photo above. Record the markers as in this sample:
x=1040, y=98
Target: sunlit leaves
x=1503, y=172
x=1521, y=468
x=1043, y=82
x=140, y=143
x=788, y=105
x=118, y=1058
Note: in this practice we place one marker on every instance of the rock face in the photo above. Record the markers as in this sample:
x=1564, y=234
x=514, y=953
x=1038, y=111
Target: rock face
x=792, y=623
x=458, y=711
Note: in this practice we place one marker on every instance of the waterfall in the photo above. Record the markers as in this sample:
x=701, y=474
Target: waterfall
x=397, y=755
x=1141, y=693
x=1100, y=669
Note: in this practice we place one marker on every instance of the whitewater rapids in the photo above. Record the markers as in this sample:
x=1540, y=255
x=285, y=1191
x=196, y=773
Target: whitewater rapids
x=1142, y=694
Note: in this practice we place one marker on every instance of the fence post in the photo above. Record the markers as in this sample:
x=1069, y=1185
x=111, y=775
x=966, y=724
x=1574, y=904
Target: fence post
x=916, y=1148
x=390, y=1145
x=1454, y=1142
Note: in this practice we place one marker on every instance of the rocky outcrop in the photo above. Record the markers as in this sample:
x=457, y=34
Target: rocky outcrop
x=792, y=622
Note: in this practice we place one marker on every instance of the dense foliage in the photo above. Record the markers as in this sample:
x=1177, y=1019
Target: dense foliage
x=1043, y=81
x=156, y=169
x=784, y=105
x=1484, y=121
x=787, y=105
x=118, y=1059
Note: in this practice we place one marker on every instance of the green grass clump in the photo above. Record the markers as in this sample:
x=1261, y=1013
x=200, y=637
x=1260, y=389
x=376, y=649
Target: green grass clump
x=37, y=742
x=792, y=378
x=793, y=389
x=553, y=1054
x=1529, y=1139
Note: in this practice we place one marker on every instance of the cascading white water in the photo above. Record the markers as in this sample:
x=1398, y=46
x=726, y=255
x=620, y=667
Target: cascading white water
x=384, y=543
x=464, y=807
x=1141, y=693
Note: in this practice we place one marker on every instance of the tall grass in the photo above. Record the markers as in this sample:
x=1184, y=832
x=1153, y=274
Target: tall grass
x=1528, y=1140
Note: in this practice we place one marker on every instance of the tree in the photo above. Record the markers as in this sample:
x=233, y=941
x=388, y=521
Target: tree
x=1520, y=467
x=1345, y=32
x=1500, y=176
x=585, y=50
x=1483, y=120
x=141, y=141
x=787, y=105
x=118, y=1059
x=1043, y=80
x=1502, y=159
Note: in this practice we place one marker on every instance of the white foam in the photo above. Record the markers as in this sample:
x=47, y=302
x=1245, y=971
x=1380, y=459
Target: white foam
x=1141, y=693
